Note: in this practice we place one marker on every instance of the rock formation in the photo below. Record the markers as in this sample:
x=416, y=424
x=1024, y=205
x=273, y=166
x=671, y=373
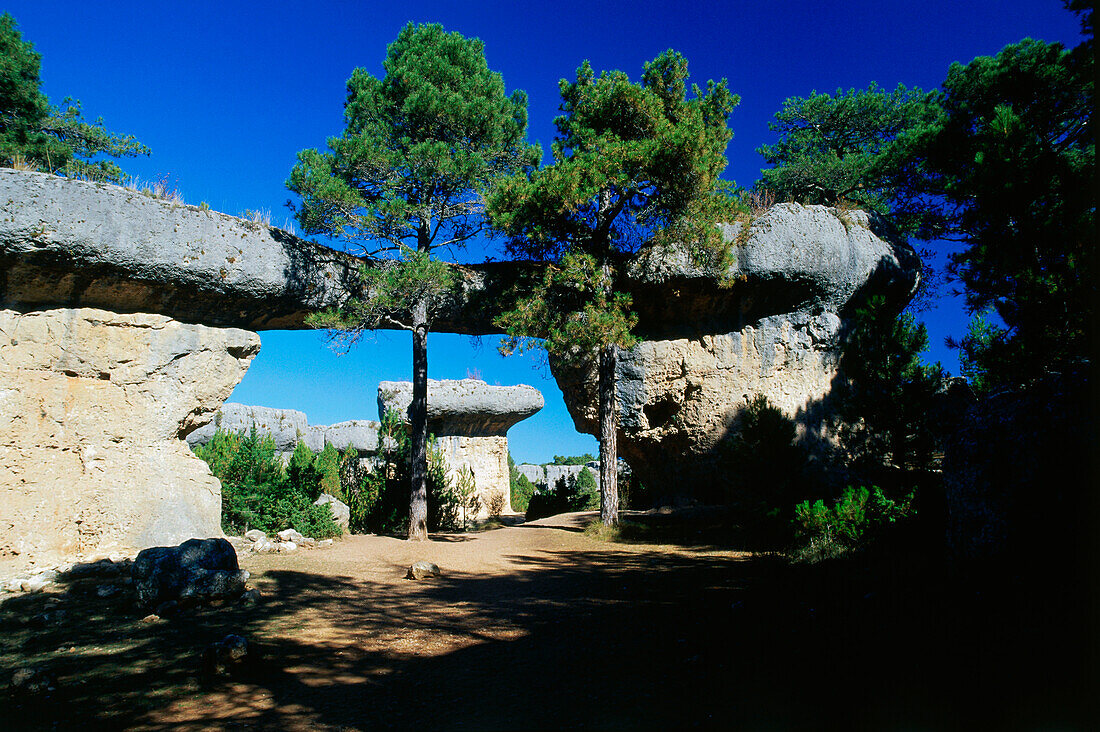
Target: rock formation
x=71, y=243
x=797, y=274
x=289, y=426
x=470, y=420
x=549, y=474
x=94, y=409
x=772, y=324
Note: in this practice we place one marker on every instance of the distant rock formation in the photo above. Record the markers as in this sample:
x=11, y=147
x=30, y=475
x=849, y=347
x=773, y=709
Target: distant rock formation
x=470, y=419
x=548, y=474
x=464, y=406
x=94, y=409
x=289, y=426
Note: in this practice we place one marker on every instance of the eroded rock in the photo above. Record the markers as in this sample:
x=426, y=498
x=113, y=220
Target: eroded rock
x=777, y=331
x=94, y=407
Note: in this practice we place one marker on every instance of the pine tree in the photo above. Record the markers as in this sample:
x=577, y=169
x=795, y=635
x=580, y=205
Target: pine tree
x=633, y=163
x=406, y=179
x=35, y=134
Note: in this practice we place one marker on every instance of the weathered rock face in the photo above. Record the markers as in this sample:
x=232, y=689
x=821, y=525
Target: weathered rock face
x=776, y=330
x=71, y=243
x=487, y=459
x=797, y=276
x=288, y=426
x=465, y=406
x=94, y=409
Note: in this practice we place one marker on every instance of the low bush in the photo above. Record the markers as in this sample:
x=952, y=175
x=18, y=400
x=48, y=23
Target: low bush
x=521, y=488
x=572, y=493
x=379, y=500
x=855, y=519
x=259, y=493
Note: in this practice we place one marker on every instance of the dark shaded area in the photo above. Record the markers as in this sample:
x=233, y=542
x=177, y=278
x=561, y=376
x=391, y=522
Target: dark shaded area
x=601, y=639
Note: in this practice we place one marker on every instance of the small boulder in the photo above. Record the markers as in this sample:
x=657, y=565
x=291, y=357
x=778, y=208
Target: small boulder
x=421, y=570
x=39, y=582
x=290, y=535
x=196, y=570
x=340, y=511
x=325, y=542
x=288, y=546
x=254, y=535
x=221, y=658
x=265, y=546
x=30, y=679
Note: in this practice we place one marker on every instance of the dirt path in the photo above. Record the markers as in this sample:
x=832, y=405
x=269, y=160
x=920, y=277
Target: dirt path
x=530, y=627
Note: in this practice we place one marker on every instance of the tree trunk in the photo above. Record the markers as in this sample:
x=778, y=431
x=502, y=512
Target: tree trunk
x=418, y=427
x=609, y=449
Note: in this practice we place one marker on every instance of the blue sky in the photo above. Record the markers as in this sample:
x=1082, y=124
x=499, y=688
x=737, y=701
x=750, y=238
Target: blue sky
x=225, y=93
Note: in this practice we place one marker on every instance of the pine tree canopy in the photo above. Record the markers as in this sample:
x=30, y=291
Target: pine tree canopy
x=419, y=149
x=633, y=164
x=35, y=134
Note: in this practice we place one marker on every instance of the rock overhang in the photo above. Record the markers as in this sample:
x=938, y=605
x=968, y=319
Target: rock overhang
x=69, y=243
x=467, y=407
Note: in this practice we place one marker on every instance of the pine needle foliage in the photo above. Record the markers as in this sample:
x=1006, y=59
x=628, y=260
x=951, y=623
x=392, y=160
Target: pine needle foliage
x=407, y=178
x=37, y=135
x=633, y=164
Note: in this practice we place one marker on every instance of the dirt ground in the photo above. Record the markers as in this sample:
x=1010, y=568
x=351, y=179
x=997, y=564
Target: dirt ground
x=539, y=626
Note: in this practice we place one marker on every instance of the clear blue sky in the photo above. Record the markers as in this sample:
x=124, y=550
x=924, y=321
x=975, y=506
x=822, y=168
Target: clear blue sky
x=225, y=93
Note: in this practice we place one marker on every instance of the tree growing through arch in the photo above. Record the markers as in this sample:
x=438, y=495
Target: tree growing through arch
x=405, y=180
x=633, y=164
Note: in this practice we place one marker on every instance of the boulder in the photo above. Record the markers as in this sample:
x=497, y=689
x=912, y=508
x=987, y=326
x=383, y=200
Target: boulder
x=340, y=511
x=290, y=535
x=254, y=535
x=94, y=409
x=422, y=570
x=197, y=570
x=466, y=407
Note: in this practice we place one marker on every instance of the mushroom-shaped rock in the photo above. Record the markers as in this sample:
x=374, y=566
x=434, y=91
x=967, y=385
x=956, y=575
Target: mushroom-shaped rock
x=464, y=407
x=470, y=419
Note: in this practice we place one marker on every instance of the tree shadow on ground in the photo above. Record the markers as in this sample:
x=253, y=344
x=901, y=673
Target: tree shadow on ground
x=595, y=638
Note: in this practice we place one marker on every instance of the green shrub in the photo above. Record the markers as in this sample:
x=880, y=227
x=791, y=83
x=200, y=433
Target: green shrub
x=570, y=493
x=766, y=464
x=258, y=493
x=328, y=464
x=521, y=488
x=856, y=518
x=379, y=500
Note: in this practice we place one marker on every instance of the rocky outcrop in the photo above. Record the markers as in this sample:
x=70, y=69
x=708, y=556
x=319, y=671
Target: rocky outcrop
x=71, y=243
x=94, y=409
x=797, y=275
x=470, y=419
x=464, y=406
x=289, y=426
x=549, y=474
